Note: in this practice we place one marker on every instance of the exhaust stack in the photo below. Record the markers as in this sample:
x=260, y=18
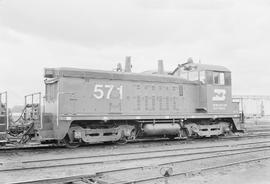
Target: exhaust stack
x=160, y=67
x=128, y=64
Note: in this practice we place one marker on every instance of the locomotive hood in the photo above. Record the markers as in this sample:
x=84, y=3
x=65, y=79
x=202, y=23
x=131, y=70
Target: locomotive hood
x=112, y=75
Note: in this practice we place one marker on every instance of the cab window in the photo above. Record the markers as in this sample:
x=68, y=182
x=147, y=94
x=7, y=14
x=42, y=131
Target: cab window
x=228, y=78
x=221, y=78
x=209, y=77
x=218, y=78
x=202, y=77
x=187, y=74
x=193, y=76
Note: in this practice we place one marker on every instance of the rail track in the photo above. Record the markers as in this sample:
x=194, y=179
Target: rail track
x=119, y=176
x=191, y=171
x=97, y=178
x=171, y=165
x=132, y=161
x=124, y=157
x=35, y=146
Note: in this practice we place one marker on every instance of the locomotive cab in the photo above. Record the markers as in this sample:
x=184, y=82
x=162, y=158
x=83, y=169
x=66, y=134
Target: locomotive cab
x=214, y=86
x=215, y=91
x=214, y=98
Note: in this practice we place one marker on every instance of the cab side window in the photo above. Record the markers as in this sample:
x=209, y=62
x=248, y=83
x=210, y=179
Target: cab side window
x=216, y=77
x=193, y=76
x=228, y=78
x=209, y=77
x=202, y=77
x=188, y=75
x=219, y=78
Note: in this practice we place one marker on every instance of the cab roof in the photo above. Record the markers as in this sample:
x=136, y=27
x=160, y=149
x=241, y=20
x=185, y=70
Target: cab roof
x=201, y=67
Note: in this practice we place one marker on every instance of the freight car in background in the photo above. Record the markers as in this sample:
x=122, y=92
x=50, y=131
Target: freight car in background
x=94, y=106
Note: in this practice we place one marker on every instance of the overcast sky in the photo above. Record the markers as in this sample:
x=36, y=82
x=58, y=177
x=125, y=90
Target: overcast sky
x=97, y=34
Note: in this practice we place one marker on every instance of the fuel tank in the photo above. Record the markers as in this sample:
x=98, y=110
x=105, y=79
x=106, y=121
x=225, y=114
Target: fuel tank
x=161, y=129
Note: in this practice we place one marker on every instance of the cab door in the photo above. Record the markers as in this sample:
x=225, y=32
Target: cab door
x=219, y=94
x=215, y=92
x=203, y=105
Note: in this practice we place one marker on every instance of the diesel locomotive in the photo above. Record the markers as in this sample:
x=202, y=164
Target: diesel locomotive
x=93, y=106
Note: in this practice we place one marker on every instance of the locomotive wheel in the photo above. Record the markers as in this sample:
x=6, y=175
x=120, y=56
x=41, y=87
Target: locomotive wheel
x=123, y=139
x=69, y=139
x=70, y=144
x=133, y=134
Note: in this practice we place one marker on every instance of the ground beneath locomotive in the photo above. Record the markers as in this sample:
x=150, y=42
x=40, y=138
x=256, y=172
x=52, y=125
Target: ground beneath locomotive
x=258, y=172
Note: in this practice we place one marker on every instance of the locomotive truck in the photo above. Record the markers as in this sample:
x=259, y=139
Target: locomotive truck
x=93, y=106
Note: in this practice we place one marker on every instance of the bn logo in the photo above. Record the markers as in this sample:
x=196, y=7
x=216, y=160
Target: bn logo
x=219, y=95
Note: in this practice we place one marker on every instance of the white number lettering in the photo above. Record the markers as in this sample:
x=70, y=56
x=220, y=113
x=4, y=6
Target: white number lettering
x=120, y=89
x=98, y=93
x=110, y=88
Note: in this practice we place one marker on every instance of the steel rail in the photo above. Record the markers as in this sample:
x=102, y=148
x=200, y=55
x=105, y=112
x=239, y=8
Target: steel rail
x=48, y=146
x=63, y=180
x=182, y=161
x=133, y=159
x=87, y=177
x=246, y=136
x=197, y=170
x=142, y=152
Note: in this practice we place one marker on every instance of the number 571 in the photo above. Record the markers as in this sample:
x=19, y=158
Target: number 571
x=99, y=91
